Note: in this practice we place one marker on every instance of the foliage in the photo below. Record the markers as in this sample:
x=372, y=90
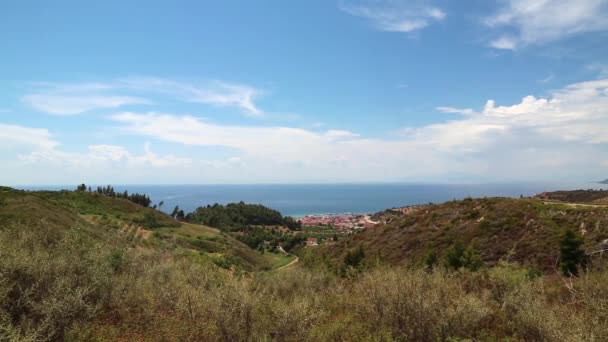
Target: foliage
x=137, y=198
x=577, y=196
x=75, y=286
x=430, y=261
x=261, y=237
x=572, y=255
x=178, y=213
x=458, y=257
x=354, y=258
x=235, y=216
x=526, y=231
x=62, y=278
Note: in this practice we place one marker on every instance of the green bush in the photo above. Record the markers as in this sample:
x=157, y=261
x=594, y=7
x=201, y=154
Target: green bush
x=458, y=257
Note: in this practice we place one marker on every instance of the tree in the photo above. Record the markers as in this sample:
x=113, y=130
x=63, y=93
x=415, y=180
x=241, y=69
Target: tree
x=160, y=204
x=458, y=257
x=454, y=257
x=177, y=213
x=572, y=255
x=81, y=187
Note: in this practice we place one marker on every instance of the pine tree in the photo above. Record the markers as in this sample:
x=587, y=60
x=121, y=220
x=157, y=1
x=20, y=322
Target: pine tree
x=572, y=255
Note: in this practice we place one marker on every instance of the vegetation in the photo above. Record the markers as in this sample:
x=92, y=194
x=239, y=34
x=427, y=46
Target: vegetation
x=354, y=258
x=178, y=213
x=235, y=216
x=525, y=231
x=257, y=226
x=77, y=287
x=141, y=199
x=262, y=238
x=75, y=266
x=577, y=196
x=572, y=256
x=458, y=257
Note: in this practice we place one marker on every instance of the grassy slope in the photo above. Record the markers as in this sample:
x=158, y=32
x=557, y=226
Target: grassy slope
x=278, y=260
x=97, y=214
x=522, y=230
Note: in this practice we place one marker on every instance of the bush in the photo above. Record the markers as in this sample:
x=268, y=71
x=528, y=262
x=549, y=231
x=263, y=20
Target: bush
x=49, y=285
x=458, y=257
x=572, y=255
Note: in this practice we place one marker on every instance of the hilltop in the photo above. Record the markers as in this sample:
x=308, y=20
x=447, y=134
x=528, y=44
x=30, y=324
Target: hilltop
x=102, y=217
x=526, y=231
x=590, y=196
x=605, y=181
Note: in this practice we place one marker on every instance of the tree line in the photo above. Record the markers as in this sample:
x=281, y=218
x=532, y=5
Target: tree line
x=236, y=216
x=141, y=199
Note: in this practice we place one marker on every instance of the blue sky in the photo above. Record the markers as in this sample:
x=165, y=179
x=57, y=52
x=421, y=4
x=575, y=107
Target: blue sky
x=314, y=91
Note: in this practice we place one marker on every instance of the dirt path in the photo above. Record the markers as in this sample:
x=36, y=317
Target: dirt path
x=293, y=262
x=574, y=205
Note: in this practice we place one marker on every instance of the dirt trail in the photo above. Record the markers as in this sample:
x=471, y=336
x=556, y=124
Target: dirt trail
x=293, y=262
x=574, y=205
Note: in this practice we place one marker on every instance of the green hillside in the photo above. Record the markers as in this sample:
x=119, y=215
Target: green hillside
x=526, y=231
x=102, y=216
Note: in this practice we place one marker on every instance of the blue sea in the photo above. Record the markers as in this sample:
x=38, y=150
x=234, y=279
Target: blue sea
x=299, y=200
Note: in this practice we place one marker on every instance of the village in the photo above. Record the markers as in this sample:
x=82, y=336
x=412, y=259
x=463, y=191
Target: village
x=343, y=223
x=325, y=228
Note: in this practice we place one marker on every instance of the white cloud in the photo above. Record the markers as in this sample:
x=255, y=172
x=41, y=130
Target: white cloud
x=218, y=93
x=103, y=156
x=504, y=43
x=71, y=99
x=542, y=21
x=31, y=155
x=498, y=142
x=71, y=104
x=15, y=135
x=387, y=15
x=335, y=133
x=558, y=136
x=452, y=110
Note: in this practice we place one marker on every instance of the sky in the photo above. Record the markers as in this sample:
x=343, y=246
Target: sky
x=202, y=92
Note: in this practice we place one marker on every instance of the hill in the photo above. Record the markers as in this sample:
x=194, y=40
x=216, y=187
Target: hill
x=526, y=231
x=605, y=181
x=590, y=196
x=101, y=216
x=75, y=266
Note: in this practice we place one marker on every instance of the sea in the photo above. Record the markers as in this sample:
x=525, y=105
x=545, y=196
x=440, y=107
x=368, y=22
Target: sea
x=305, y=199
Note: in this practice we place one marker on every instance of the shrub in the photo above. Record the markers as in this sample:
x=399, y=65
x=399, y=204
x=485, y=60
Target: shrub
x=572, y=256
x=459, y=257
